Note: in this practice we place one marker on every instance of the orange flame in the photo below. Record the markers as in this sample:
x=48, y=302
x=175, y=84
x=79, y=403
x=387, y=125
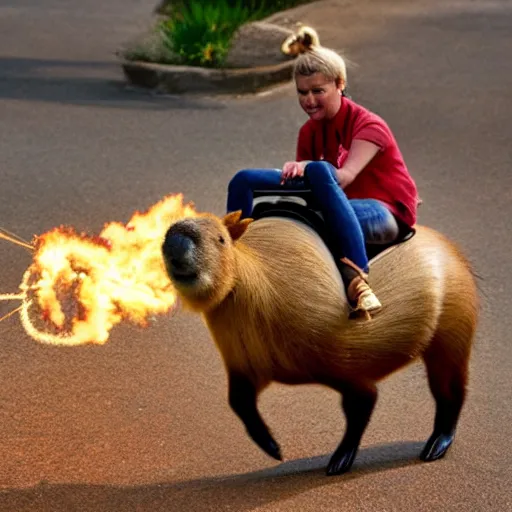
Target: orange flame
x=82, y=286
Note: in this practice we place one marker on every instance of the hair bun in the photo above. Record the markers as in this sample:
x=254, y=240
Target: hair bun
x=305, y=39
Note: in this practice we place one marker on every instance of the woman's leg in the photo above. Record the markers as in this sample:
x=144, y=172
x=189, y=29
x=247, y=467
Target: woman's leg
x=339, y=216
x=242, y=185
x=379, y=225
x=346, y=234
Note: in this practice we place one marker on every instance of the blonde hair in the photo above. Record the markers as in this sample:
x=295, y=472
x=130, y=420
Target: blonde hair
x=300, y=41
x=318, y=59
x=312, y=57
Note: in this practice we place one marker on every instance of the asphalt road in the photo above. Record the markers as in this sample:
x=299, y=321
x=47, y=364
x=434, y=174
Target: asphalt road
x=142, y=423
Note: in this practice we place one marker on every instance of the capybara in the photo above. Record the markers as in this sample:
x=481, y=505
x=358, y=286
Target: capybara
x=272, y=298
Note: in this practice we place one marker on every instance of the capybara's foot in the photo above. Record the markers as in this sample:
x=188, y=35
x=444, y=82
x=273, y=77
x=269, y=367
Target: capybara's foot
x=341, y=461
x=436, y=447
x=274, y=450
x=267, y=443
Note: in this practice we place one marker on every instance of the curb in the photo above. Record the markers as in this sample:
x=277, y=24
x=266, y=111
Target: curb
x=188, y=79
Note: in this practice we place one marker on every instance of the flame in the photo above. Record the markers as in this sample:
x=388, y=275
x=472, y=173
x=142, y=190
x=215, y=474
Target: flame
x=81, y=286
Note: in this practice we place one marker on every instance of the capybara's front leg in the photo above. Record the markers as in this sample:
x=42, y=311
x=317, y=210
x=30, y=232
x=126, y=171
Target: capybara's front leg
x=242, y=399
x=358, y=403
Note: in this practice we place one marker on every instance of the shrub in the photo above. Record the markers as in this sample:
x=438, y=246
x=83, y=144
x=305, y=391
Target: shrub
x=267, y=7
x=199, y=32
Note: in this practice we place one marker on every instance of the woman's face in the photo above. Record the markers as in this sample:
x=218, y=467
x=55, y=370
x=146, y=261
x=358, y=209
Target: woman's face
x=318, y=96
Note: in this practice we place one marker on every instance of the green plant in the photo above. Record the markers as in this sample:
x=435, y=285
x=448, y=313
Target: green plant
x=265, y=7
x=200, y=33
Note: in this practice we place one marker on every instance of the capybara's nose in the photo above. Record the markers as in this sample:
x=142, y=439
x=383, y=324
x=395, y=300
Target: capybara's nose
x=179, y=253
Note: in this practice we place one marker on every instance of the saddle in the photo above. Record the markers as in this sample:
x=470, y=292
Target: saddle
x=300, y=205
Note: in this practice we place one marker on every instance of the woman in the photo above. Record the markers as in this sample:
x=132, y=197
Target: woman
x=348, y=157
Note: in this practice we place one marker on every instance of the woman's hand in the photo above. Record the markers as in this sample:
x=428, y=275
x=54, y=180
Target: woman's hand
x=343, y=177
x=292, y=170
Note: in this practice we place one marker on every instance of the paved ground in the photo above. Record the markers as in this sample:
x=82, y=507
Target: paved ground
x=142, y=424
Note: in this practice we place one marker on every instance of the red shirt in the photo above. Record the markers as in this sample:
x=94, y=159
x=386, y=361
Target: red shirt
x=385, y=178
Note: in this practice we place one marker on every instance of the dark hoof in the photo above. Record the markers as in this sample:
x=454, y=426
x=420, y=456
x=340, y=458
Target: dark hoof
x=274, y=451
x=341, y=462
x=268, y=445
x=436, y=447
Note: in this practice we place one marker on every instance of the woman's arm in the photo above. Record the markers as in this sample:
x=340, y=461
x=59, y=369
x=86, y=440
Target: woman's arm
x=360, y=154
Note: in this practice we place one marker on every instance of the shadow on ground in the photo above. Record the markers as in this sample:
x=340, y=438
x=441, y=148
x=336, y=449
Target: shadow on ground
x=235, y=492
x=96, y=83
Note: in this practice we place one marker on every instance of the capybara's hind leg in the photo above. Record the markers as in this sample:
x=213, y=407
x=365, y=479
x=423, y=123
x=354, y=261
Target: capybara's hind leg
x=358, y=403
x=447, y=377
x=242, y=399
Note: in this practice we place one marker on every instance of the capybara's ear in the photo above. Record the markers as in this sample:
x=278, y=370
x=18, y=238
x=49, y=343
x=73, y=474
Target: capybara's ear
x=231, y=218
x=238, y=229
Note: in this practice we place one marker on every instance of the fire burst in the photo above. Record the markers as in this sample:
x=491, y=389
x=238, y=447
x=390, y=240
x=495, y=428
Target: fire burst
x=79, y=287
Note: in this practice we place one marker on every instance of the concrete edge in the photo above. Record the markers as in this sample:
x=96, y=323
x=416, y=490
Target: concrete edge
x=188, y=79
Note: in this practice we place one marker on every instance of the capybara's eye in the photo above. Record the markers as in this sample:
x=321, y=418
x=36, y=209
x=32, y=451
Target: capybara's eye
x=221, y=239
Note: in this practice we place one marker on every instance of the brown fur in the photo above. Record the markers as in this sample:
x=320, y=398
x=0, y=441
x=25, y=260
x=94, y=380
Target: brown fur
x=286, y=317
x=277, y=311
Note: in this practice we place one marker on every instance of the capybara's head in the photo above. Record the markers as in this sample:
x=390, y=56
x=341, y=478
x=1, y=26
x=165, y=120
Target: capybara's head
x=199, y=256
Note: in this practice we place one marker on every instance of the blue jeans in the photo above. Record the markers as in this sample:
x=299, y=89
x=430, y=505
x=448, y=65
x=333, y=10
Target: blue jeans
x=350, y=222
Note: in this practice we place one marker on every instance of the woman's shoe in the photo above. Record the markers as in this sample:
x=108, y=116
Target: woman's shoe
x=365, y=300
x=359, y=294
